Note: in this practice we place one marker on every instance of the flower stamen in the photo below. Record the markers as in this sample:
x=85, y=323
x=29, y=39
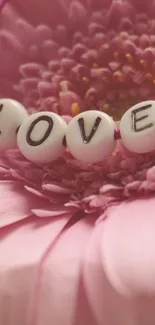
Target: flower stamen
x=85, y=79
x=119, y=75
x=106, y=107
x=149, y=76
x=129, y=57
x=75, y=109
x=95, y=65
x=116, y=55
x=143, y=63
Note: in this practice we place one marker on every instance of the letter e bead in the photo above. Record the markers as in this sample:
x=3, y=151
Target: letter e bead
x=137, y=127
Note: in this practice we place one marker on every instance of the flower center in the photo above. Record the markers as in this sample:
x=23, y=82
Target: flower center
x=102, y=60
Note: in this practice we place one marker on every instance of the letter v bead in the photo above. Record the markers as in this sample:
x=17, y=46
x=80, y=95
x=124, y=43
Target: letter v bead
x=87, y=138
x=90, y=136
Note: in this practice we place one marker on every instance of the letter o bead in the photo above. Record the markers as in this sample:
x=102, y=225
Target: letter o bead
x=40, y=137
x=12, y=114
x=137, y=127
x=90, y=136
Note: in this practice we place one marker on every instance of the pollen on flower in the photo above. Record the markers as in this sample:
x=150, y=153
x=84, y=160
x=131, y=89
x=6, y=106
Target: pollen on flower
x=75, y=109
x=116, y=55
x=93, y=53
x=149, y=76
x=143, y=63
x=95, y=65
x=129, y=57
x=85, y=79
x=106, y=107
x=119, y=75
x=105, y=78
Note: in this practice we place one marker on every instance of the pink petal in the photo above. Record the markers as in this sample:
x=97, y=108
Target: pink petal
x=107, y=306
x=33, y=191
x=57, y=189
x=50, y=49
x=11, y=47
x=50, y=12
x=14, y=203
x=67, y=118
x=47, y=90
x=26, y=32
x=84, y=313
x=60, y=280
x=28, y=84
x=48, y=213
x=151, y=174
x=77, y=12
x=31, y=69
x=2, y=3
x=128, y=253
x=110, y=188
x=17, y=204
x=43, y=33
x=22, y=250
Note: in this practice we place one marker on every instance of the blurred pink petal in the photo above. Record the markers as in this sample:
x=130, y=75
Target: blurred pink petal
x=61, y=276
x=106, y=304
x=15, y=205
x=22, y=251
x=48, y=213
x=52, y=13
x=84, y=313
x=127, y=247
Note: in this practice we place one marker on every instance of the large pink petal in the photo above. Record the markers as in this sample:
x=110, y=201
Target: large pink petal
x=61, y=276
x=107, y=305
x=128, y=255
x=22, y=248
x=17, y=204
x=14, y=203
x=84, y=314
x=50, y=11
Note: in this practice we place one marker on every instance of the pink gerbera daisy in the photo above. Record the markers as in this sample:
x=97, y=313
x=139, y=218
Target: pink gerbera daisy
x=77, y=240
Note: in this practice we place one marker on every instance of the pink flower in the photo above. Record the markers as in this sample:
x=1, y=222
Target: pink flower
x=105, y=56
x=76, y=240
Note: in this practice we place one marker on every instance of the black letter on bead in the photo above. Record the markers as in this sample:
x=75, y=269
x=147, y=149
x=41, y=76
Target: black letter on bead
x=47, y=133
x=87, y=139
x=135, y=119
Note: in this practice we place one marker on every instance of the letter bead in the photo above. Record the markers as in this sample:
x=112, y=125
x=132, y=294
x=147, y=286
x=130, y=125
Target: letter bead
x=90, y=136
x=40, y=137
x=137, y=127
x=12, y=114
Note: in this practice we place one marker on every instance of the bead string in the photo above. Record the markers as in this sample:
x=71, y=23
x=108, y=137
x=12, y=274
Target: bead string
x=117, y=134
x=90, y=136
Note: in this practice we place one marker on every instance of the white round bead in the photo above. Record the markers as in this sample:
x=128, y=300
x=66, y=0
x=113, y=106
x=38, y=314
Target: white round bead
x=90, y=136
x=137, y=127
x=40, y=137
x=12, y=114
